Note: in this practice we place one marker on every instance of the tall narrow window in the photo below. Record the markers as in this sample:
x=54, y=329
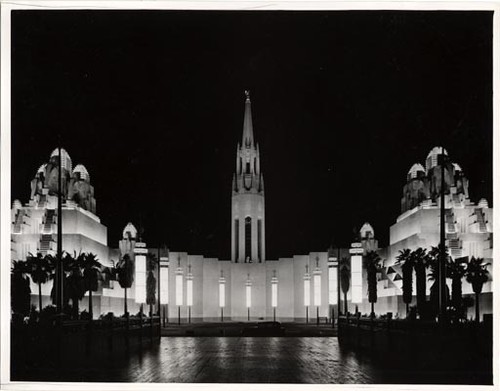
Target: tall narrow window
x=248, y=238
x=259, y=239
x=236, y=239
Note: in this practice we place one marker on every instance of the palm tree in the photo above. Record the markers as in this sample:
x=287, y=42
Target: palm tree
x=477, y=274
x=433, y=262
x=151, y=283
x=457, y=271
x=20, y=298
x=74, y=284
x=420, y=262
x=372, y=265
x=125, y=274
x=41, y=270
x=91, y=273
x=406, y=259
x=345, y=278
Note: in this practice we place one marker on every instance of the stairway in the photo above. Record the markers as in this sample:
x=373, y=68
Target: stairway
x=45, y=243
x=18, y=222
x=48, y=221
x=455, y=246
x=450, y=221
x=480, y=220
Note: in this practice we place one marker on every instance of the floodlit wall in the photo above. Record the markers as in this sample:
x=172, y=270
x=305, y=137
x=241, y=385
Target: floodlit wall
x=248, y=205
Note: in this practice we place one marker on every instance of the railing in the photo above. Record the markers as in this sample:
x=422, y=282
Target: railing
x=403, y=325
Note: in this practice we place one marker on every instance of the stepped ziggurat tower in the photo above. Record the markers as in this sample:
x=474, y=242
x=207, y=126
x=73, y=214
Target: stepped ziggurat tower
x=248, y=286
x=248, y=216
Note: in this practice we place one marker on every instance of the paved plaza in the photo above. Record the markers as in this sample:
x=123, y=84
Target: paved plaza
x=239, y=360
x=311, y=360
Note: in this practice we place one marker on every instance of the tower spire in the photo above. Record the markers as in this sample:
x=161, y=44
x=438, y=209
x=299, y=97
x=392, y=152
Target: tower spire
x=247, y=140
x=247, y=212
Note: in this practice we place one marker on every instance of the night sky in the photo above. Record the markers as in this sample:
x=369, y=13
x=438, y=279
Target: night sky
x=151, y=102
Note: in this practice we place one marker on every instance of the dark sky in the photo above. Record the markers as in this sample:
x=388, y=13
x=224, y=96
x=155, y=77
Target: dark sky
x=151, y=102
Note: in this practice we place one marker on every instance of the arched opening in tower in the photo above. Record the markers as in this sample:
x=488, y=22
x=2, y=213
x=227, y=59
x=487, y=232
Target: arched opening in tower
x=248, y=238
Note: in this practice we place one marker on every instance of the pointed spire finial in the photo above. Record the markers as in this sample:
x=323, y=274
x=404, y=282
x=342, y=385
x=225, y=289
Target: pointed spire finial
x=247, y=140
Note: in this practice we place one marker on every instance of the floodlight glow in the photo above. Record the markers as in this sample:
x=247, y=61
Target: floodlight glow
x=356, y=278
x=307, y=291
x=178, y=287
x=140, y=278
x=222, y=292
x=189, y=287
x=332, y=285
x=274, y=292
x=317, y=288
x=164, y=284
x=249, y=294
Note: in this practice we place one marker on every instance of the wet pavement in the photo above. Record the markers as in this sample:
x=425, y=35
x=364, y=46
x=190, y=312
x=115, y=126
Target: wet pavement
x=313, y=360
x=238, y=360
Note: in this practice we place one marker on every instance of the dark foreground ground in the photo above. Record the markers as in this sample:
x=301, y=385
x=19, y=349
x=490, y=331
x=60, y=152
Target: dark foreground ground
x=219, y=353
x=253, y=360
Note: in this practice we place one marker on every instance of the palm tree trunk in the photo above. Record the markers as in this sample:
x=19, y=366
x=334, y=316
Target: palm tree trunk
x=75, y=307
x=407, y=309
x=127, y=321
x=345, y=303
x=373, y=309
x=477, y=307
x=40, y=296
x=125, y=304
x=151, y=320
x=91, y=313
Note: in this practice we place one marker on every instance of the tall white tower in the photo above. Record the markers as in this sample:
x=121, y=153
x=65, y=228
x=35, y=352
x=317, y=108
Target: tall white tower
x=247, y=210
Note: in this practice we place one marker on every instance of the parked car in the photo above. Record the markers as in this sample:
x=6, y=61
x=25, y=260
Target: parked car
x=264, y=329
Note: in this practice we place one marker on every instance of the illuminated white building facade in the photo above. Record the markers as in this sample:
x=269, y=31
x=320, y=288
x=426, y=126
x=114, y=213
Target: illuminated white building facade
x=34, y=224
x=468, y=231
x=246, y=286
x=249, y=286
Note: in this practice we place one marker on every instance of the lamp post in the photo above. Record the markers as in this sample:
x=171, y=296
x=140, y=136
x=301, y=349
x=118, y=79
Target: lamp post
x=189, y=287
x=248, y=295
x=274, y=294
x=317, y=289
x=222, y=295
x=60, y=266
x=442, y=246
x=179, y=289
x=307, y=292
x=163, y=276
